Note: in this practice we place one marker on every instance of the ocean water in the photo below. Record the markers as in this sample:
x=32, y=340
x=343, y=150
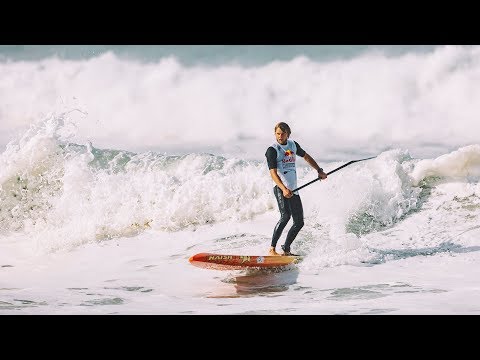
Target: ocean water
x=118, y=163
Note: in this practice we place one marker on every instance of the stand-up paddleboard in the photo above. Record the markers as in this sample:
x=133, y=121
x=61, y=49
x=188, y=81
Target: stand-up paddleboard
x=239, y=262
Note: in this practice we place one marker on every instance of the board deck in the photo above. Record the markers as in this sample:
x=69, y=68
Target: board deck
x=239, y=262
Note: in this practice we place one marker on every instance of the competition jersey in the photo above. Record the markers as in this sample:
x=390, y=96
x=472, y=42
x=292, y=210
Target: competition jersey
x=285, y=162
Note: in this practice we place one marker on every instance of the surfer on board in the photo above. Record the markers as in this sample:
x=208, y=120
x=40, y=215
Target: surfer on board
x=281, y=157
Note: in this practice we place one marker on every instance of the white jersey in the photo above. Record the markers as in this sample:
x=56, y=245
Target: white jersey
x=286, y=169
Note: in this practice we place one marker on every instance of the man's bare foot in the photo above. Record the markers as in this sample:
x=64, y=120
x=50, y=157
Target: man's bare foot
x=272, y=252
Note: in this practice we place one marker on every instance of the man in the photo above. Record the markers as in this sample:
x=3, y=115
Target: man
x=281, y=157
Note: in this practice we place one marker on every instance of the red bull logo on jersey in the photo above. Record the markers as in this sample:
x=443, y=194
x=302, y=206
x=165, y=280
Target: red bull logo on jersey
x=289, y=157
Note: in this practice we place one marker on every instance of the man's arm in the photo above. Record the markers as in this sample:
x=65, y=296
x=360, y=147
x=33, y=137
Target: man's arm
x=286, y=192
x=314, y=164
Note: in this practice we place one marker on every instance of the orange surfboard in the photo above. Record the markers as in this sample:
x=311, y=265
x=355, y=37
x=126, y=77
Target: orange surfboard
x=239, y=262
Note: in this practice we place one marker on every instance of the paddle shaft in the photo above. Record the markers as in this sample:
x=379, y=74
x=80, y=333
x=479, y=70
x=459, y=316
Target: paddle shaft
x=331, y=172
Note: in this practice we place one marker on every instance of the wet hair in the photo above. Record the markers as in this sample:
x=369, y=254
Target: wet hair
x=284, y=127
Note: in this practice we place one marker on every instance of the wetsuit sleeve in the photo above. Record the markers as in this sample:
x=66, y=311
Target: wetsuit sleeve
x=271, y=155
x=300, y=151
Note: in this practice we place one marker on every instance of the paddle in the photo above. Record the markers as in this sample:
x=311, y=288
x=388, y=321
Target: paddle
x=331, y=172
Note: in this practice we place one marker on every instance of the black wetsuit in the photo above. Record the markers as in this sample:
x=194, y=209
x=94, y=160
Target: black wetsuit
x=289, y=207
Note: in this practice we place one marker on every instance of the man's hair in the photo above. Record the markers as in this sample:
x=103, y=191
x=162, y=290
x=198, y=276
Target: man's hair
x=284, y=127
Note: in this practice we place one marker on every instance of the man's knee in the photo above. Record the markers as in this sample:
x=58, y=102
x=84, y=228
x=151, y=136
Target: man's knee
x=299, y=224
x=284, y=219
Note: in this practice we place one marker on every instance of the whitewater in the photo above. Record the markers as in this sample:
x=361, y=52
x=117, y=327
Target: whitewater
x=114, y=170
